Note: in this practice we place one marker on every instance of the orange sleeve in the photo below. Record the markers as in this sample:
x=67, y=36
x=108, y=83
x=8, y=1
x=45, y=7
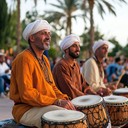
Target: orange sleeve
x=28, y=84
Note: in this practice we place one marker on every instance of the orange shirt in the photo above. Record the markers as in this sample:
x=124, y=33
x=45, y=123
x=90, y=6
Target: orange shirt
x=69, y=79
x=28, y=86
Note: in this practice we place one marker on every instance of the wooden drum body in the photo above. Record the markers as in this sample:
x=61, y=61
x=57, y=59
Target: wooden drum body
x=118, y=109
x=64, y=119
x=94, y=109
x=121, y=92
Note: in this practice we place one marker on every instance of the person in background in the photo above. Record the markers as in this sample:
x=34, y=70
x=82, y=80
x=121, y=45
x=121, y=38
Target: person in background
x=5, y=72
x=66, y=72
x=32, y=87
x=114, y=70
x=93, y=69
x=81, y=62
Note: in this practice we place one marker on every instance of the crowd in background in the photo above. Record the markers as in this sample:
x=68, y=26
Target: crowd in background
x=114, y=67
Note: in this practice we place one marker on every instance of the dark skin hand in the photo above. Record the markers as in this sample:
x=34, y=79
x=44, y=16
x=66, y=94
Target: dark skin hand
x=104, y=91
x=65, y=104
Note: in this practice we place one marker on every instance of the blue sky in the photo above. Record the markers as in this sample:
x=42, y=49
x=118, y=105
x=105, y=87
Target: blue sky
x=111, y=26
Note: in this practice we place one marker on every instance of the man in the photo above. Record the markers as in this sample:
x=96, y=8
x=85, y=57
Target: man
x=32, y=88
x=93, y=68
x=114, y=70
x=66, y=72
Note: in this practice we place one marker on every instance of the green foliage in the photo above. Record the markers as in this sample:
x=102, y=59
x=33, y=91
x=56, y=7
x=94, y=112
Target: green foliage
x=3, y=22
x=53, y=52
x=62, y=15
x=61, y=19
x=7, y=26
x=118, y=48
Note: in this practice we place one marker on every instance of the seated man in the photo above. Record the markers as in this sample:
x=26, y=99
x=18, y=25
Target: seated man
x=93, y=69
x=32, y=87
x=66, y=72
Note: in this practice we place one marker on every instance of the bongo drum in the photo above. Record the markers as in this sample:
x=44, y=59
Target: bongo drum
x=121, y=92
x=94, y=109
x=117, y=108
x=64, y=119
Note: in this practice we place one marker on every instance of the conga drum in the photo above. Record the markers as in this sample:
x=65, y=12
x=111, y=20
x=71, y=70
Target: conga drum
x=121, y=92
x=64, y=119
x=117, y=107
x=94, y=109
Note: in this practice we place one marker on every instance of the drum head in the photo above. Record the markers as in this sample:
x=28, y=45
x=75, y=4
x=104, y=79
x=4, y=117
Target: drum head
x=87, y=100
x=121, y=91
x=115, y=99
x=63, y=116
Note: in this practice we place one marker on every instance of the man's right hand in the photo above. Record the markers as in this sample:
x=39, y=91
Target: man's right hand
x=65, y=104
x=91, y=91
x=104, y=91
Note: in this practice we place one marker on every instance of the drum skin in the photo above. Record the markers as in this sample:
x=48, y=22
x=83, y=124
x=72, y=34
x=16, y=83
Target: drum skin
x=117, y=107
x=121, y=92
x=60, y=119
x=96, y=113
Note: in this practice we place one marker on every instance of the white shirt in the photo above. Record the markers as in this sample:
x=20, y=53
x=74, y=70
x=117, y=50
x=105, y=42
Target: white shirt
x=3, y=68
x=91, y=74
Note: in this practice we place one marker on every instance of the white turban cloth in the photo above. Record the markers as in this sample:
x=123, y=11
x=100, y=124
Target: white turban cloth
x=69, y=41
x=35, y=27
x=98, y=44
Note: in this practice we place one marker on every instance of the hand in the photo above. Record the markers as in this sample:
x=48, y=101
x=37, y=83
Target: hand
x=112, y=87
x=91, y=91
x=121, y=85
x=104, y=91
x=65, y=104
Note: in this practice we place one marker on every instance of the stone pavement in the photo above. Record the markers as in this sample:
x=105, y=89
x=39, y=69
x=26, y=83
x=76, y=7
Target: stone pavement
x=5, y=108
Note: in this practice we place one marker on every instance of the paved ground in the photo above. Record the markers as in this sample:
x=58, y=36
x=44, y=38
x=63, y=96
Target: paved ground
x=5, y=108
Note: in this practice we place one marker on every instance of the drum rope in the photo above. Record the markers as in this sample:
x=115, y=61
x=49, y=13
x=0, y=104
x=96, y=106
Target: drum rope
x=118, y=114
x=98, y=121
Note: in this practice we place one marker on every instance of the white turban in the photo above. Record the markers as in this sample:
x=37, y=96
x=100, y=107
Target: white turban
x=35, y=27
x=98, y=44
x=68, y=41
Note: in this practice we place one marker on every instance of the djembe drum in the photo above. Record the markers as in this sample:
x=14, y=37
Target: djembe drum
x=94, y=109
x=121, y=92
x=118, y=109
x=64, y=119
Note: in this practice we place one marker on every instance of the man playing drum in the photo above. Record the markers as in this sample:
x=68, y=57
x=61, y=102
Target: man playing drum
x=66, y=72
x=32, y=88
x=93, y=68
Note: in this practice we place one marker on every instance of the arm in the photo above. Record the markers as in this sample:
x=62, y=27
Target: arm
x=91, y=74
x=28, y=85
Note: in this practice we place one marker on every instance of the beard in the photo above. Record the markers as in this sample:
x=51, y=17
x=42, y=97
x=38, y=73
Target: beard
x=46, y=44
x=73, y=55
x=46, y=47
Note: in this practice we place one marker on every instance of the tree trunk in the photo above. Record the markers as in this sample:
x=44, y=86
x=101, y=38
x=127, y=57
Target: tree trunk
x=91, y=32
x=18, y=27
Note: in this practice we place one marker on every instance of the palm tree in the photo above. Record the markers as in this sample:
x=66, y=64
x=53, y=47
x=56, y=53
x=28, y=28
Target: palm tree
x=3, y=20
x=64, y=14
x=18, y=39
x=89, y=5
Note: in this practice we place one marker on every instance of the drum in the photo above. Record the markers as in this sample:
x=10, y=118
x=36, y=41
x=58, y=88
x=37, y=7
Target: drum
x=94, y=109
x=64, y=119
x=117, y=108
x=121, y=92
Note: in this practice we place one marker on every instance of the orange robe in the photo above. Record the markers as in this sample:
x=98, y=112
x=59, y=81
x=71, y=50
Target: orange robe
x=28, y=86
